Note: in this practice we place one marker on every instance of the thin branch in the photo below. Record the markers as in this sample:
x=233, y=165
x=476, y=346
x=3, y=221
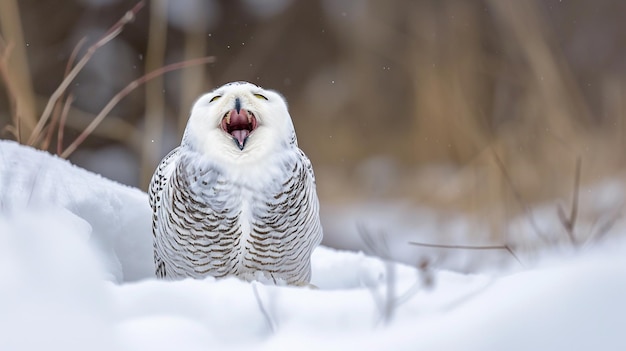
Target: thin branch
x=389, y=302
x=569, y=223
x=5, y=53
x=73, y=55
x=154, y=92
x=425, y=272
x=11, y=130
x=603, y=228
x=469, y=247
x=390, y=292
x=518, y=197
x=378, y=246
x=18, y=71
x=58, y=109
x=266, y=314
x=409, y=293
x=114, y=31
x=64, y=113
x=112, y=127
x=127, y=90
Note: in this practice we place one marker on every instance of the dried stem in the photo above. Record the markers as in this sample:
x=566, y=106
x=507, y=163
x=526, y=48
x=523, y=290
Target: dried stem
x=518, y=197
x=66, y=109
x=264, y=311
x=154, y=119
x=5, y=53
x=125, y=91
x=391, y=300
x=11, y=130
x=378, y=247
x=112, y=127
x=17, y=70
x=193, y=80
x=114, y=31
x=58, y=109
x=603, y=228
x=469, y=247
x=569, y=223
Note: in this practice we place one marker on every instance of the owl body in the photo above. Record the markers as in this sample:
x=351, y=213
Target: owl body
x=237, y=197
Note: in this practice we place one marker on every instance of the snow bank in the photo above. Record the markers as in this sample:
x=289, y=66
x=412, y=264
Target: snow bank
x=119, y=217
x=52, y=292
x=76, y=266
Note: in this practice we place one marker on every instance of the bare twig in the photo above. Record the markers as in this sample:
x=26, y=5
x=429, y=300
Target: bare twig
x=73, y=55
x=5, y=53
x=391, y=300
x=424, y=268
x=264, y=311
x=11, y=130
x=569, y=223
x=18, y=73
x=377, y=245
x=64, y=113
x=114, y=31
x=193, y=80
x=154, y=120
x=603, y=228
x=425, y=279
x=518, y=198
x=469, y=247
x=388, y=305
x=58, y=109
x=112, y=127
x=125, y=91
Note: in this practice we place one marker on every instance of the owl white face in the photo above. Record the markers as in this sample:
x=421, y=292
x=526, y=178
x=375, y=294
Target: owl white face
x=238, y=118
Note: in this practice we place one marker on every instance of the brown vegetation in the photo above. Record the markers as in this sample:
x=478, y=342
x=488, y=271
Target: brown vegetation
x=481, y=106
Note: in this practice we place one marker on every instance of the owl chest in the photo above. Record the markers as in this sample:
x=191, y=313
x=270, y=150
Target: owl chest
x=239, y=208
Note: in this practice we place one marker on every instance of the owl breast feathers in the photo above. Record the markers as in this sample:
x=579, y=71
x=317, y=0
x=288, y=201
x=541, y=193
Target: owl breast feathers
x=237, y=197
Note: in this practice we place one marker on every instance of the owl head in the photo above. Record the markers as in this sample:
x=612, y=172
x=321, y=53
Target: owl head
x=239, y=121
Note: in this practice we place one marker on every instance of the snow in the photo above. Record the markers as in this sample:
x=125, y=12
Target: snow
x=76, y=274
x=118, y=217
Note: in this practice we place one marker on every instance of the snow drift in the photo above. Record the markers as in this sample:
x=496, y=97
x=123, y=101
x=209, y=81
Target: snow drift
x=76, y=274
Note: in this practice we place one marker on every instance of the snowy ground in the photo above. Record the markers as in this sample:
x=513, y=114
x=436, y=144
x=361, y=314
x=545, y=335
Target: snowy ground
x=76, y=264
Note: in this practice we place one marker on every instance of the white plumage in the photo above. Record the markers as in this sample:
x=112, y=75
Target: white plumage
x=237, y=197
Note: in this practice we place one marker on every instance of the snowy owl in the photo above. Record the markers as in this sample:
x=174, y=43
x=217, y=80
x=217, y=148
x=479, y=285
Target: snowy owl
x=237, y=197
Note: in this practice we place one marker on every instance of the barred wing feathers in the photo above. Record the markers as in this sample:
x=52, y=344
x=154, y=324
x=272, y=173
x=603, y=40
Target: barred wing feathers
x=207, y=224
x=155, y=190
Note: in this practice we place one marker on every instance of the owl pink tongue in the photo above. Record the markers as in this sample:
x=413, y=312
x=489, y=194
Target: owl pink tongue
x=239, y=124
x=240, y=135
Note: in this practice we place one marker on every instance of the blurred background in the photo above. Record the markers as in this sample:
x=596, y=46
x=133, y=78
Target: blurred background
x=443, y=120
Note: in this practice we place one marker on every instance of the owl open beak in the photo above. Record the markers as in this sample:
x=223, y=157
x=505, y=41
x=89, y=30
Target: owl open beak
x=239, y=124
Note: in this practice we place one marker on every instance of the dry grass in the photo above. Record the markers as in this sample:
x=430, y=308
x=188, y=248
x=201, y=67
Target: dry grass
x=56, y=111
x=18, y=78
x=476, y=104
x=155, y=106
x=472, y=96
